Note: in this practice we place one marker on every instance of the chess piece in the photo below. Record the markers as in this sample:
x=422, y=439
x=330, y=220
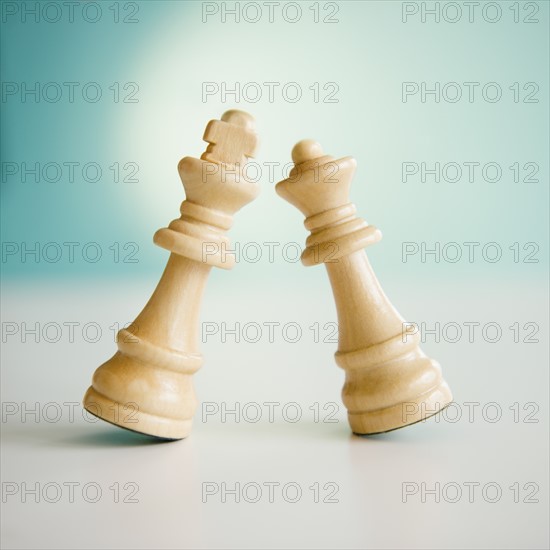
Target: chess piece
x=390, y=382
x=147, y=385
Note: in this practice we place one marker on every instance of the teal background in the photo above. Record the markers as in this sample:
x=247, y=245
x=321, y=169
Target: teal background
x=369, y=53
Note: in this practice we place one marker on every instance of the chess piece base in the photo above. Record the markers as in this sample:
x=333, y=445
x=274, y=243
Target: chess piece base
x=134, y=420
x=402, y=414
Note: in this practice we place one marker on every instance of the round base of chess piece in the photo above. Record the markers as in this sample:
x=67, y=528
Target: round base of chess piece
x=402, y=414
x=91, y=398
x=150, y=398
x=125, y=416
x=390, y=385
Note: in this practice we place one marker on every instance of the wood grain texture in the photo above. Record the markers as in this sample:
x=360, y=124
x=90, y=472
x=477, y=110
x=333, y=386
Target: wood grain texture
x=147, y=385
x=390, y=382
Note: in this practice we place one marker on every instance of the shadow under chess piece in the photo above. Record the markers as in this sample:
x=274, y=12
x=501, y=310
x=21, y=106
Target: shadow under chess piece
x=147, y=385
x=390, y=382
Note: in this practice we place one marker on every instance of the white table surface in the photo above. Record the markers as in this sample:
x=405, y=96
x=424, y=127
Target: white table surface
x=169, y=479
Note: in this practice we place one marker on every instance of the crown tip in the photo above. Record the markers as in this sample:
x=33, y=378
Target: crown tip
x=239, y=118
x=307, y=149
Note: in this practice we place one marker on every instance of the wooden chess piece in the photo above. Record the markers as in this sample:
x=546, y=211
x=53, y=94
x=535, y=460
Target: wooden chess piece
x=147, y=385
x=390, y=382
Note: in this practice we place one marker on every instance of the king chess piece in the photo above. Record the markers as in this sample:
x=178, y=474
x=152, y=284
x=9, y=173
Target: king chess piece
x=147, y=385
x=390, y=382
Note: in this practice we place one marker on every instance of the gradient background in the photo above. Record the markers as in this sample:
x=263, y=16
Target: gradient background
x=170, y=52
